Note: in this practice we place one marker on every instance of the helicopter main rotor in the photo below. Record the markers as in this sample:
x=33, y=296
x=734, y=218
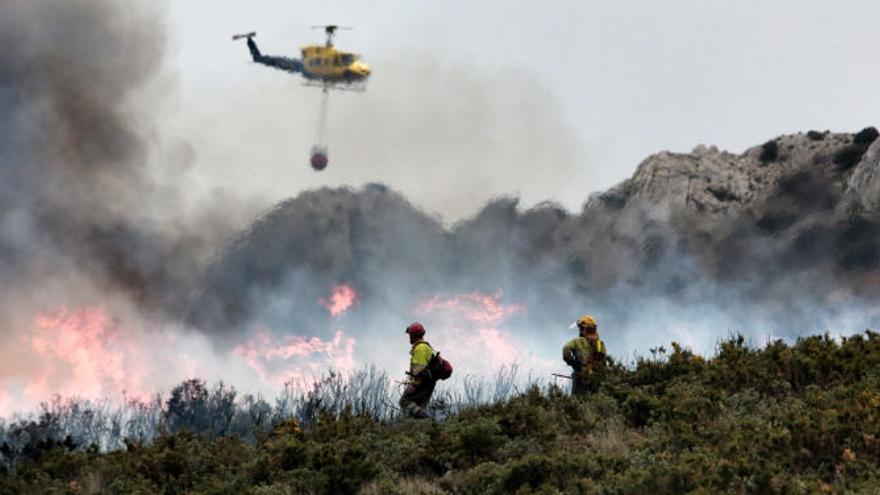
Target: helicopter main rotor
x=330, y=30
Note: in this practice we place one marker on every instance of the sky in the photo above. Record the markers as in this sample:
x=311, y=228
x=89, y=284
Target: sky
x=543, y=100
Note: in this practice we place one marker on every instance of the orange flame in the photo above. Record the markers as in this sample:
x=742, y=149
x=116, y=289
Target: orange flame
x=293, y=357
x=469, y=325
x=87, y=353
x=5, y=402
x=475, y=307
x=341, y=299
x=83, y=354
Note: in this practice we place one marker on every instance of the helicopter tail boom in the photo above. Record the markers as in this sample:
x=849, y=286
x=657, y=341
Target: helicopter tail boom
x=283, y=63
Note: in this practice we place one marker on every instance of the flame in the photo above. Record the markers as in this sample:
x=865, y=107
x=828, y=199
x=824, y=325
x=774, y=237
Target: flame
x=475, y=307
x=5, y=402
x=470, y=326
x=293, y=357
x=341, y=299
x=83, y=353
x=278, y=360
x=88, y=353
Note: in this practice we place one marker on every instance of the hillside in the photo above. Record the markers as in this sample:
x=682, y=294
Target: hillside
x=803, y=418
x=798, y=211
x=781, y=240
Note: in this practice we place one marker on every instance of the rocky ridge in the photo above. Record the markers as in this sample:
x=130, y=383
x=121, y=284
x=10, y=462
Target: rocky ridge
x=801, y=209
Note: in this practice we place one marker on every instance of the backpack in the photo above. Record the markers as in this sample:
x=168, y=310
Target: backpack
x=441, y=369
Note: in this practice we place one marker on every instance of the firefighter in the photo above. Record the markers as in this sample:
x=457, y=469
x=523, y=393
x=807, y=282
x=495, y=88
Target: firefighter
x=418, y=391
x=586, y=356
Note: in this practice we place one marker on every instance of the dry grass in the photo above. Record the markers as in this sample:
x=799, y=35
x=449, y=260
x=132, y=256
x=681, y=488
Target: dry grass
x=611, y=437
x=409, y=486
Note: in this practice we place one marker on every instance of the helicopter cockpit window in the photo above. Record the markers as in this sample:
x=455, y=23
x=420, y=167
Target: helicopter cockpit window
x=347, y=59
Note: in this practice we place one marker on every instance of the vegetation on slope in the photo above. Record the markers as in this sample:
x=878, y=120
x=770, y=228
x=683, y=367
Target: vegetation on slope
x=801, y=418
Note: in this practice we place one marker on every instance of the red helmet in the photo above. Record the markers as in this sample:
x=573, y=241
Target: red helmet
x=416, y=329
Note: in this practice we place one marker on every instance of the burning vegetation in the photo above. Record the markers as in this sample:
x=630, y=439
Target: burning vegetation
x=114, y=278
x=778, y=419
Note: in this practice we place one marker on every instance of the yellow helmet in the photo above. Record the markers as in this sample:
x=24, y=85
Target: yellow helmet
x=586, y=321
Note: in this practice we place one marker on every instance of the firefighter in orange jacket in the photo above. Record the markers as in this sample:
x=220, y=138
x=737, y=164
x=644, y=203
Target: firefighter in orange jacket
x=415, y=398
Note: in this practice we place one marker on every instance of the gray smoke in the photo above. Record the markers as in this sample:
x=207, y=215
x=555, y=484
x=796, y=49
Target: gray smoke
x=779, y=240
x=782, y=239
x=80, y=191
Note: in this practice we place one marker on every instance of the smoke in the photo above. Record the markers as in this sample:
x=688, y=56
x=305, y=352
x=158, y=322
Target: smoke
x=692, y=247
x=79, y=180
x=444, y=134
x=114, y=276
x=95, y=223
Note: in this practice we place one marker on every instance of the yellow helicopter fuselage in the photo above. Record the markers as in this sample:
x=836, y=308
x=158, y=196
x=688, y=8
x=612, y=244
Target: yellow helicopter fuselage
x=328, y=64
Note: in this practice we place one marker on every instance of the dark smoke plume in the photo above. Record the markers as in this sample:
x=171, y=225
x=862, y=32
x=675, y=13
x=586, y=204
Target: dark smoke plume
x=78, y=187
x=781, y=244
x=781, y=239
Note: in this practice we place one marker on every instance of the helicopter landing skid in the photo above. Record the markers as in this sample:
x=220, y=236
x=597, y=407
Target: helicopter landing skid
x=358, y=87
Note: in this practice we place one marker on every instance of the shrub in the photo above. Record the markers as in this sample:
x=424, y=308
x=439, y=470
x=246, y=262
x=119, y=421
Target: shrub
x=639, y=407
x=479, y=438
x=194, y=408
x=786, y=418
x=769, y=151
x=482, y=478
x=849, y=156
x=866, y=136
x=532, y=470
x=815, y=135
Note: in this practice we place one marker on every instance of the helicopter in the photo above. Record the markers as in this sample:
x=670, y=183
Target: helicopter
x=323, y=66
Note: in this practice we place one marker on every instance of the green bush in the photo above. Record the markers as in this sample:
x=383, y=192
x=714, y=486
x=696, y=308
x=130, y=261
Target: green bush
x=479, y=438
x=849, y=156
x=785, y=418
x=769, y=151
x=866, y=136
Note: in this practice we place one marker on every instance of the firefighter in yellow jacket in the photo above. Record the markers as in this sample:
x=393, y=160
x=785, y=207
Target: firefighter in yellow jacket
x=586, y=356
x=415, y=398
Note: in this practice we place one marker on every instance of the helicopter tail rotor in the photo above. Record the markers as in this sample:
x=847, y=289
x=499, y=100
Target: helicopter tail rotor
x=244, y=35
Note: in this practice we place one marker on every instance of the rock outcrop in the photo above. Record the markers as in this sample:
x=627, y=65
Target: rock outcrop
x=715, y=183
x=791, y=220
